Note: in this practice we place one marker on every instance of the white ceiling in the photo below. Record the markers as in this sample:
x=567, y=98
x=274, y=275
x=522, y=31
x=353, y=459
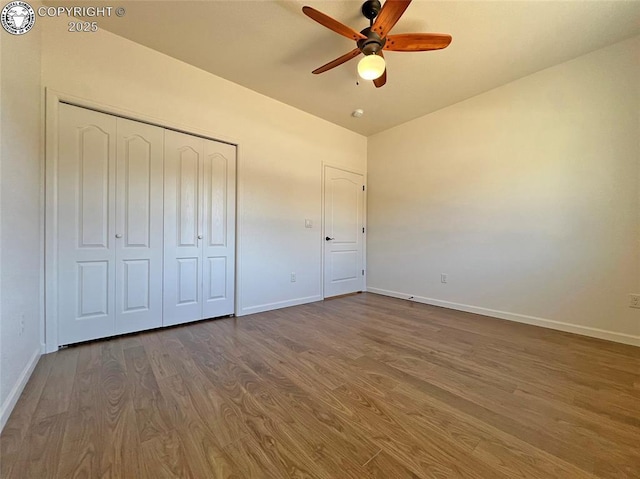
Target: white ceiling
x=271, y=47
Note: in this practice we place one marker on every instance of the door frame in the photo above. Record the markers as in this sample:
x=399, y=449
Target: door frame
x=53, y=99
x=325, y=165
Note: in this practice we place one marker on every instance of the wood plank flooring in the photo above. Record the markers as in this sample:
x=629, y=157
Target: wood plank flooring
x=362, y=386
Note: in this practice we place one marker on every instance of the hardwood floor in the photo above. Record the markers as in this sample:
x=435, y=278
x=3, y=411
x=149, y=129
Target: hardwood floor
x=356, y=387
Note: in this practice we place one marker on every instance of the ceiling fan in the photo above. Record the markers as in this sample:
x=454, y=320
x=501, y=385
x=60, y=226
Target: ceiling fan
x=375, y=38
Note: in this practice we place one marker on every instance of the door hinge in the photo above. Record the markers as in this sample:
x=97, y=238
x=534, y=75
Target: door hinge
x=362, y=272
x=362, y=187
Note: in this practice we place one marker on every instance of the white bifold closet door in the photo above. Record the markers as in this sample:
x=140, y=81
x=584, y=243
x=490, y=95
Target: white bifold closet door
x=199, y=228
x=109, y=225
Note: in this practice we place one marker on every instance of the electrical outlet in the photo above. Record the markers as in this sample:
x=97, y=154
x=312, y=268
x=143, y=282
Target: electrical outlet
x=21, y=325
x=293, y=277
x=308, y=223
x=443, y=278
x=634, y=301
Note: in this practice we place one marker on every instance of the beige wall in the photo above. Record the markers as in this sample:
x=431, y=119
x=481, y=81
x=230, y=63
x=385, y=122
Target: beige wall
x=525, y=196
x=20, y=254
x=281, y=150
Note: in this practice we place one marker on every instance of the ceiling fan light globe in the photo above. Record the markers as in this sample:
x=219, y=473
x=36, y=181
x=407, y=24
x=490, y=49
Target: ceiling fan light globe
x=371, y=67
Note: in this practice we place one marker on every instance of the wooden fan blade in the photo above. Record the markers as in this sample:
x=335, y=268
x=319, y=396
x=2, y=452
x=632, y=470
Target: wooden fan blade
x=338, y=61
x=390, y=13
x=417, y=42
x=381, y=80
x=378, y=82
x=332, y=24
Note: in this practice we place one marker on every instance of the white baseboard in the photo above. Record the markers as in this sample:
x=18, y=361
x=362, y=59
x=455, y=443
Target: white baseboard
x=280, y=304
x=519, y=318
x=17, y=389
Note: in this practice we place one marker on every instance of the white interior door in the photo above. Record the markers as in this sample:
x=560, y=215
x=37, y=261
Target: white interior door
x=218, y=229
x=139, y=232
x=182, y=228
x=199, y=199
x=86, y=229
x=343, y=232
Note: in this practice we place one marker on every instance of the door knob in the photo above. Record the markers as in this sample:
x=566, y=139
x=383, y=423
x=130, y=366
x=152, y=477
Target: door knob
x=199, y=236
x=328, y=239
x=118, y=235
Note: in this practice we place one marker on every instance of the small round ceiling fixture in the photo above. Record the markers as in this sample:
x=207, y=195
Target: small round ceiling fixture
x=357, y=113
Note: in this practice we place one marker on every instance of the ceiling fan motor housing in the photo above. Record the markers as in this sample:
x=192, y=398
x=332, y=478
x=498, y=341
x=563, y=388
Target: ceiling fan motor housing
x=372, y=44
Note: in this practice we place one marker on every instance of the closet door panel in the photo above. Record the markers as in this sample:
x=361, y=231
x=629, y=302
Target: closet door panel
x=85, y=224
x=219, y=228
x=139, y=226
x=145, y=226
x=182, y=228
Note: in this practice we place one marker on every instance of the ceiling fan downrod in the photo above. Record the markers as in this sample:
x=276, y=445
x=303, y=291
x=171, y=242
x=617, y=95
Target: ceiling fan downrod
x=373, y=43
